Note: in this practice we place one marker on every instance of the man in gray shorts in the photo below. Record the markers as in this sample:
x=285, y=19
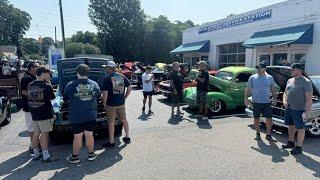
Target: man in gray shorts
x=260, y=85
x=298, y=101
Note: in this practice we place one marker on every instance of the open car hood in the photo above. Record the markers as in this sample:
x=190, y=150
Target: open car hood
x=67, y=70
x=282, y=74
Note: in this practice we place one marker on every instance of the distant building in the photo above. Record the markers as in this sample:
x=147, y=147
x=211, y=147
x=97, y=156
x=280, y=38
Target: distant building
x=281, y=34
x=9, y=52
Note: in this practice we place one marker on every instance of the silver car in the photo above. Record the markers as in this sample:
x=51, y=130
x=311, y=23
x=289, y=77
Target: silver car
x=281, y=75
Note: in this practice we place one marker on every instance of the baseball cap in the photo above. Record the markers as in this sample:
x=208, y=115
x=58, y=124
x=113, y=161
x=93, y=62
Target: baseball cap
x=111, y=64
x=262, y=64
x=31, y=65
x=296, y=66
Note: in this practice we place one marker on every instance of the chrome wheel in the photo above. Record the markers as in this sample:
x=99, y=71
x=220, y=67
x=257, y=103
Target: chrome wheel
x=314, y=129
x=216, y=106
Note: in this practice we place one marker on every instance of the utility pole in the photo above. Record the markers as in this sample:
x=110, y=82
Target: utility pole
x=62, y=28
x=55, y=36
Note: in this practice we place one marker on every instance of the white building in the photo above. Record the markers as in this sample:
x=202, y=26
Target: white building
x=287, y=32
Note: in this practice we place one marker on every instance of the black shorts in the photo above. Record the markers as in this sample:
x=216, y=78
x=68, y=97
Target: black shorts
x=262, y=108
x=145, y=94
x=80, y=128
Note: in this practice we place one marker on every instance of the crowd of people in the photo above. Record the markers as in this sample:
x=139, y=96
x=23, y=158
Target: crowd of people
x=82, y=94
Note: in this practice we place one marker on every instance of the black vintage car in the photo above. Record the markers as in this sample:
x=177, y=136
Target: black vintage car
x=67, y=73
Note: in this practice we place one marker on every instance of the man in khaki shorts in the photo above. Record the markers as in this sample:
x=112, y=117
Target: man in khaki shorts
x=115, y=90
x=40, y=92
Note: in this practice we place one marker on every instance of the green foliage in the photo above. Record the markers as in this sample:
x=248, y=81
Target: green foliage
x=84, y=37
x=125, y=32
x=121, y=26
x=30, y=46
x=34, y=57
x=13, y=24
x=47, y=42
x=74, y=48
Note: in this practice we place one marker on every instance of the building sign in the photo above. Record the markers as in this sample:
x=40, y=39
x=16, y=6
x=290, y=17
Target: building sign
x=54, y=56
x=258, y=16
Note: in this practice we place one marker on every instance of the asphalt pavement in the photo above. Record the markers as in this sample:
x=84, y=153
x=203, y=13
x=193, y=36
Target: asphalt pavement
x=167, y=148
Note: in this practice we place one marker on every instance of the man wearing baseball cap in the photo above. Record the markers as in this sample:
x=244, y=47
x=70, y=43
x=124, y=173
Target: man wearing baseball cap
x=115, y=90
x=260, y=85
x=297, y=99
x=25, y=81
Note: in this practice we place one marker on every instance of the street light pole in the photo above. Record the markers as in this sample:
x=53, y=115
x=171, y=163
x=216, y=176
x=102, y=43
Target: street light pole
x=62, y=28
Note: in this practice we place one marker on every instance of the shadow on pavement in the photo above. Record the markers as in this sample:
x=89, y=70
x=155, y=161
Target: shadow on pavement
x=271, y=150
x=175, y=120
x=24, y=134
x=204, y=124
x=144, y=117
x=22, y=166
x=310, y=146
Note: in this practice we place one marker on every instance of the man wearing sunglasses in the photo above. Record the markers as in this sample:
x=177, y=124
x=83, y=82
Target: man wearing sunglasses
x=260, y=85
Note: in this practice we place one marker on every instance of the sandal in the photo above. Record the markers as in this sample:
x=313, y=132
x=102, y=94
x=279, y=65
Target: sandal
x=126, y=140
x=50, y=159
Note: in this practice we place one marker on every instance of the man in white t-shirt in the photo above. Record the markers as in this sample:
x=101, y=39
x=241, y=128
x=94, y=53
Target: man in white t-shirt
x=147, y=80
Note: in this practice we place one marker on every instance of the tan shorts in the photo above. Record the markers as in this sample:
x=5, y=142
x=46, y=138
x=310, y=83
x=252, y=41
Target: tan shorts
x=43, y=126
x=116, y=111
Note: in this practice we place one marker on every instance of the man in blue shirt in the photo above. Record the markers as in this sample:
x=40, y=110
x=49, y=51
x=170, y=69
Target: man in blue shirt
x=82, y=95
x=115, y=90
x=260, y=85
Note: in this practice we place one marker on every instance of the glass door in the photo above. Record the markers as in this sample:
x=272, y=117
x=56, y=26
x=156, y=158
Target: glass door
x=280, y=59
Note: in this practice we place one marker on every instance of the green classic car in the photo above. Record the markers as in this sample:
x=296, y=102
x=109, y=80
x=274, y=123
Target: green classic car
x=226, y=89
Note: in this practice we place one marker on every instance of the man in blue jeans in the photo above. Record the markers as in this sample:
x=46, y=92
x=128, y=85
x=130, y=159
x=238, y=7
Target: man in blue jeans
x=82, y=96
x=260, y=85
x=297, y=99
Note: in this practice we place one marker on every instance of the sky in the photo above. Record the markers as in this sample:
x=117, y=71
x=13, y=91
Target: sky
x=45, y=13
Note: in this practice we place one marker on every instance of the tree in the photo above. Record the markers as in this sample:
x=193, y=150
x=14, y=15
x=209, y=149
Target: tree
x=30, y=46
x=74, y=48
x=46, y=43
x=121, y=26
x=13, y=24
x=86, y=37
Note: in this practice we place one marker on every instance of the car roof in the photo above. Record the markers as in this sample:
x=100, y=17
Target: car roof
x=237, y=69
x=315, y=76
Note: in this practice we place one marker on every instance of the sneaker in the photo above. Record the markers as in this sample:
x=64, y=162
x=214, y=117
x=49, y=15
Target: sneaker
x=270, y=139
x=50, y=159
x=126, y=140
x=31, y=151
x=204, y=118
x=143, y=109
x=150, y=112
x=73, y=159
x=258, y=137
x=297, y=150
x=289, y=145
x=92, y=156
x=109, y=145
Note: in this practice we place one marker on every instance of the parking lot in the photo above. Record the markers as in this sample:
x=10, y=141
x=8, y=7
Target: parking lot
x=167, y=148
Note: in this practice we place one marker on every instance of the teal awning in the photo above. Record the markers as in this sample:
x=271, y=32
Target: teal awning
x=302, y=34
x=202, y=46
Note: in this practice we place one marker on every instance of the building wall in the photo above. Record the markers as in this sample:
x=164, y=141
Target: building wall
x=285, y=14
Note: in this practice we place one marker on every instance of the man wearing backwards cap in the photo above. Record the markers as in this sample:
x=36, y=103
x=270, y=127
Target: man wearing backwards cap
x=115, y=90
x=297, y=99
x=260, y=85
x=25, y=81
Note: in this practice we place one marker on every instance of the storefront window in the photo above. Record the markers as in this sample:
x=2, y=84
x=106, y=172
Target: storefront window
x=280, y=59
x=204, y=58
x=298, y=58
x=266, y=58
x=232, y=55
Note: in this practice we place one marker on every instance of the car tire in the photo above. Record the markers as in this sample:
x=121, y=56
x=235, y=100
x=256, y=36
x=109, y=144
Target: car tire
x=314, y=129
x=217, y=106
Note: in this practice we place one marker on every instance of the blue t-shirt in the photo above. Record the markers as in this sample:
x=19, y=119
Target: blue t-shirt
x=116, y=85
x=260, y=88
x=82, y=95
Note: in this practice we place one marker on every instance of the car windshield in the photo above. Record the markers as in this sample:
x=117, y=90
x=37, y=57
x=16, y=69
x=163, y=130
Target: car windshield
x=224, y=75
x=316, y=81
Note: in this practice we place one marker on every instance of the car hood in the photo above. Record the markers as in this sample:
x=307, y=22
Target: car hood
x=67, y=70
x=282, y=74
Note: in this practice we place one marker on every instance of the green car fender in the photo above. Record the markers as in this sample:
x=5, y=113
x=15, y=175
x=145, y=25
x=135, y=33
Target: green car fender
x=227, y=100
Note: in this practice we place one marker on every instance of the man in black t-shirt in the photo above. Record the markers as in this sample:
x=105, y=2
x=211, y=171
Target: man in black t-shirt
x=115, y=90
x=40, y=94
x=202, y=89
x=25, y=81
x=177, y=87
